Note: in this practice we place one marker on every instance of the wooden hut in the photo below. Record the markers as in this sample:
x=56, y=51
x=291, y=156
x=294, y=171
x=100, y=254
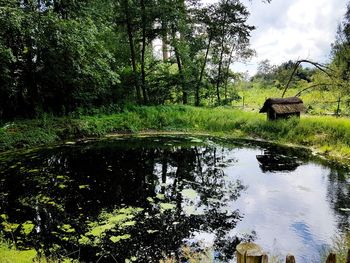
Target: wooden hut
x=282, y=108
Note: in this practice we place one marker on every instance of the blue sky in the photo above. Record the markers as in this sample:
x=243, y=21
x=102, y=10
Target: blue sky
x=292, y=29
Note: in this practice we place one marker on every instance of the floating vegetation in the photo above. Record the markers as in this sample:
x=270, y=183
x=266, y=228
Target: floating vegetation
x=189, y=193
x=118, y=220
x=138, y=199
x=27, y=227
x=167, y=206
x=116, y=239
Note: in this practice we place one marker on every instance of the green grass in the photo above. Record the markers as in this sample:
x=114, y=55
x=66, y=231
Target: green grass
x=316, y=102
x=328, y=135
x=11, y=255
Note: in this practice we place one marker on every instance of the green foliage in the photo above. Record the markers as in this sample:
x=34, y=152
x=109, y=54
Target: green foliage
x=278, y=76
x=56, y=57
x=341, y=48
x=52, y=58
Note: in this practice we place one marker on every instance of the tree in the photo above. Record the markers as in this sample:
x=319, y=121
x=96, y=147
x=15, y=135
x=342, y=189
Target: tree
x=341, y=47
x=230, y=34
x=55, y=62
x=59, y=55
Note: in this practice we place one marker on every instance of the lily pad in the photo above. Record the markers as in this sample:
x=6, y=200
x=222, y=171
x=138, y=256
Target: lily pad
x=189, y=193
x=116, y=239
x=167, y=206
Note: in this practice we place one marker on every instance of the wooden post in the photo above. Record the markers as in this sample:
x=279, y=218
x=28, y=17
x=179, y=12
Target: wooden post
x=290, y=259
x=264, y=259
x=338, y=108
x=250, y=253
x=348, y=257
x=332, y=258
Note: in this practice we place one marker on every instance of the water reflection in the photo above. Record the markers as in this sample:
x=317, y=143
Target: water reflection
x=127, y=199
x=338, y=193
x=143, y=198
x=272, y=161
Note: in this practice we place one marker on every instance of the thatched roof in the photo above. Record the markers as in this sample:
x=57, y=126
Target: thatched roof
x=283, y=105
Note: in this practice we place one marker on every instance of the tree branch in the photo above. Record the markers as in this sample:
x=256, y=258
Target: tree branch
x=321, y=67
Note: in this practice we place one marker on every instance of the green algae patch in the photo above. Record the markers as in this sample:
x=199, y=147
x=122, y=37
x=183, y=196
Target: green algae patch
x=27, y=227
x=160, y=196
x=167, y=206
x=110, y=222
x=189, y=193
x=151, y=231
x=67, y=228
x=116, y=239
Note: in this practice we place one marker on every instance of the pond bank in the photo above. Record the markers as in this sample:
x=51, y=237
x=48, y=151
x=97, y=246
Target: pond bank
x=327, y=136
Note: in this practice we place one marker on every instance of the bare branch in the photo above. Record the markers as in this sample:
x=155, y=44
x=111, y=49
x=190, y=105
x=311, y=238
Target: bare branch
x=313, y=86
x=321, y=67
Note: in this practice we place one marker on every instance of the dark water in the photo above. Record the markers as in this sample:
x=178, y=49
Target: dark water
x=144, y=198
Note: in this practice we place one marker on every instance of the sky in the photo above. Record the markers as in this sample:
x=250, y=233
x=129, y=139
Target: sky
x=291, y=30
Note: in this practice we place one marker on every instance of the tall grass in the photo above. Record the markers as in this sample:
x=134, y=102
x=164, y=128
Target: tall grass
x=11, y=255
x=316, y=101
x=327, y=134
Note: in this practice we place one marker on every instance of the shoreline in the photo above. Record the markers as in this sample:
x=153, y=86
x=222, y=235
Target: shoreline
x=326, y=137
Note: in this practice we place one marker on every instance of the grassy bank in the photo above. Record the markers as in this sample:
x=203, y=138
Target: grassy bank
x=329, y=135
x=9, y=254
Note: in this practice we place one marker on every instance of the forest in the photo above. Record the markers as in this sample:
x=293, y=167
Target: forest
x=60, y=56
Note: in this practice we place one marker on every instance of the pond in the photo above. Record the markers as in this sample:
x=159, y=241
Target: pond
x=139, y=199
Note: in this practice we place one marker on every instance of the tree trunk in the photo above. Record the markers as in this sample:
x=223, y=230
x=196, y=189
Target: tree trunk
x=165, y=50
x=179, y=65
x=221, y=58
x=202, y=73
x=219, y=72
x=143, y=51
x=228, y=71
x=132, y=50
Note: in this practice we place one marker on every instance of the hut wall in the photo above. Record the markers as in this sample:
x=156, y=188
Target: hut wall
x=271, y=114
x=287, y=115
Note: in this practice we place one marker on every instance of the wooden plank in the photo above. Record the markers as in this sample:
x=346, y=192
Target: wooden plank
x=264, y=259
x=249, y=253
x=348, y=257
x=332, y=258
x=290, y=259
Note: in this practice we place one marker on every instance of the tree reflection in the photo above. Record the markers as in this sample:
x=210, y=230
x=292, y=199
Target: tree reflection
x=338, y=195
x=74, y=195
x=273, y=160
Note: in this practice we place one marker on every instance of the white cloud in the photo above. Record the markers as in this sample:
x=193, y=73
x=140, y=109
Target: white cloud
x=292, y=29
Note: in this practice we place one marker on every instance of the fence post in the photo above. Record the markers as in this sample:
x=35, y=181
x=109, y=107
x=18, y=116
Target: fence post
x=250, y=253
x=348, y=257
x=338, y=108
x=264, y=259
x=290, y=258
x=332, y=258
